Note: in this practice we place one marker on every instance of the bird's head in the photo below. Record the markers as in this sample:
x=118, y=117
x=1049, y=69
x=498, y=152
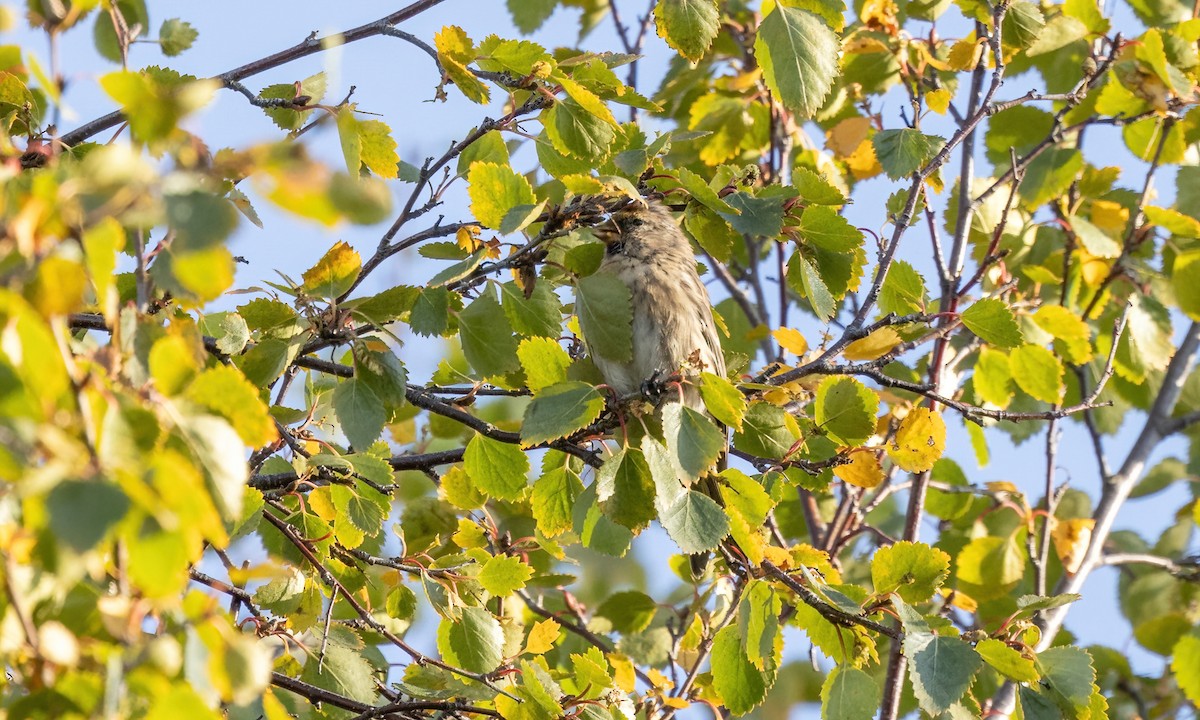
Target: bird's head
x=640, y=229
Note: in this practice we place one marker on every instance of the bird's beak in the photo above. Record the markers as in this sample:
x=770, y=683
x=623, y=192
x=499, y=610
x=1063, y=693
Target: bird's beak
x=608, y=231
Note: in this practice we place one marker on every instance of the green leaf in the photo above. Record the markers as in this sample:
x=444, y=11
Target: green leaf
x=758, y=623
x=798, y=54
x=473, y=641
x=219, y=452
x=849, y=694
x=382, y=372
x=359, y=411
x=594, y=528
x=364, y=513
x=845, y=409
x=767, y=431
x=903, y=290
x=559, y=410
x=625, y=489
x=914, y=570
x=1185, y=280
x=695, y=522
x=538, y=315
x=990, y=566
x=688, y=26
x=81, y=513
x=629, y=611
x=498, y=469
x=1007, y=661
x=905, y=151
x=1095, y=240
x=528, y=15
x=824, y=227
x=104, y=32
x=693, y=440
x=739, y=684
x=993, y=322
x=805, y=279
x=343, y=670
x=544, y=361
x=1037, y=372
x=603, y=304
x=555, y=493
x=723, y=400
x=1022, y=24
x=993, y=379
x=430, y=312
x=577, y=133
x=487, y=338
x=494, y=190
x=334, y=273
x=311, y=87
x=1067, y=673
x=503, y=575
x=176, y=36
x=941, y=669
x=752, y=215
x=1049, y=175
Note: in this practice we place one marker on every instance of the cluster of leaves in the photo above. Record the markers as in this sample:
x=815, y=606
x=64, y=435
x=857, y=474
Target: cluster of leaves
x=145, y=432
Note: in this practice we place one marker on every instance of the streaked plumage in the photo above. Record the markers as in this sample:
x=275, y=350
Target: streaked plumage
x=673, y=326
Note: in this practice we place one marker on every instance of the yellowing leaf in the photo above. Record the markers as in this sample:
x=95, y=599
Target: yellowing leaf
x=1071, y=540
x=791, y=340
x=455, y=50
x=919, y=442
x=862, y=471
x=542, y=637
x=334, y=273
x=874, y=346
x=495, y=190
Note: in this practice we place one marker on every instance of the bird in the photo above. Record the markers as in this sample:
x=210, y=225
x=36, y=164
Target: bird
x=674, y=331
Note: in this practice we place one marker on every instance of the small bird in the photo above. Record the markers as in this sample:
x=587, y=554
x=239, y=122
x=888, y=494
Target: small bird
x=673, y=327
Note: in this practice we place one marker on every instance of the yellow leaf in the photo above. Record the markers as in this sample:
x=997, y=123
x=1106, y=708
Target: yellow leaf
x=846, y=137
x=623, y=674
x=874, y=346
x=542, y=637
x=862, y=471
x=938, y=100
x=1071, y=540
x=676, y=702
x=467, y=238
x=456, y=49
x=1109, y=216
x=658, y=679
x=964, y=54
x=959, y=599
x=999, y=486
x=863, y=163
x=781, y=558
x=791, y=340
x=919, y=442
